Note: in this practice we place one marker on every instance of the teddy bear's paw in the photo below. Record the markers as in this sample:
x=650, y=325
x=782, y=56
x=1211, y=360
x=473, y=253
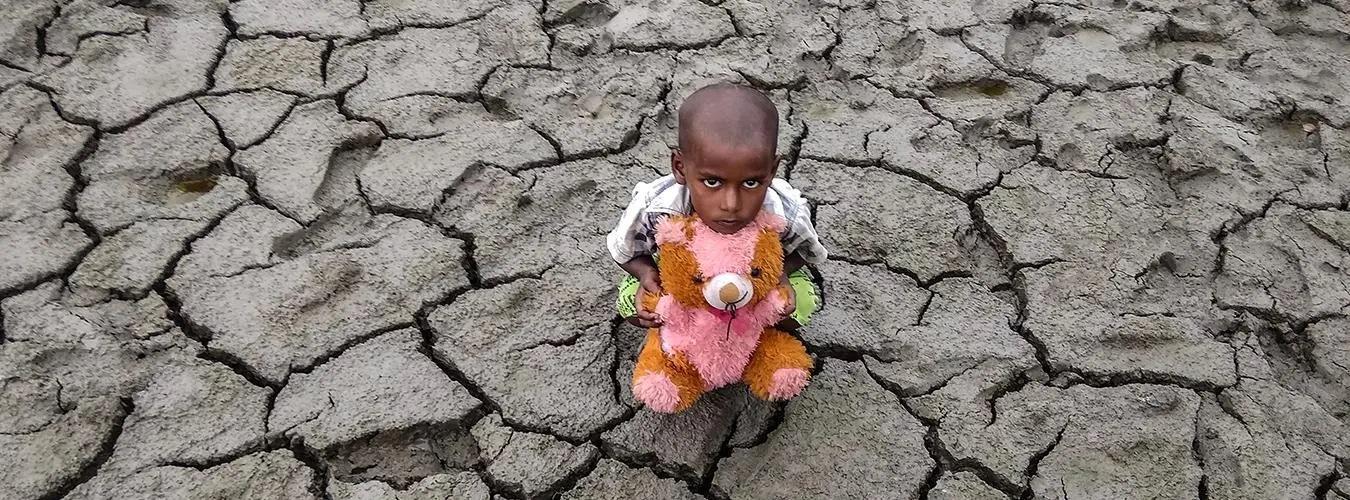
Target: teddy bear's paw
x=788, y=383
x=657, y=391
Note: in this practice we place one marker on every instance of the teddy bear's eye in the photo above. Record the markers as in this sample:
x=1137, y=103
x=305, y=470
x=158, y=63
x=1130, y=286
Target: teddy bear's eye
x=754, y=273
x=698, y=278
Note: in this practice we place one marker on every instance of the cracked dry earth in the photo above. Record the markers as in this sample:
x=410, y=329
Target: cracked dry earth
x=354, y=248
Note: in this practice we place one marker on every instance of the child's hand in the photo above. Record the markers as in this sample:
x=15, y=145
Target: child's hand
x=790, y=296
x=650, y=284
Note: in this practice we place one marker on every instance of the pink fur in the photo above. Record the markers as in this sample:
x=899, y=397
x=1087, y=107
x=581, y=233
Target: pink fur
x=718, y=253
x=771, y=221
x=788, y=383
x=658, y=392
x=719, y=353
x=670, y=231
x=702, y=335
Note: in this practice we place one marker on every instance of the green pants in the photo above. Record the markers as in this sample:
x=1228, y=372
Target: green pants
x=808, y=299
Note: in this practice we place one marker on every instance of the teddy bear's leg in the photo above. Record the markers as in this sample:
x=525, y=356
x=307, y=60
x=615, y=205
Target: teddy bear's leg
x=779, y=368
x=665, y=384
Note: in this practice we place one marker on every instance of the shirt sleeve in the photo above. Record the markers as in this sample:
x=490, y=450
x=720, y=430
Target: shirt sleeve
x=800, y=236
x=632, y=236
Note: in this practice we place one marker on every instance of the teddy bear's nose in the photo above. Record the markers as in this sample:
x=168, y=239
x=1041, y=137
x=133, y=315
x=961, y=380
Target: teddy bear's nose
x=729, y=293
x=728, y=290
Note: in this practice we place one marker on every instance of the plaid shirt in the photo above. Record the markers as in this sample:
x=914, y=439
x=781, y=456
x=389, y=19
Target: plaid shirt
x=635, y=233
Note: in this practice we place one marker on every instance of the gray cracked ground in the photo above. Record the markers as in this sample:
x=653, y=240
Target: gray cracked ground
x=353, y=249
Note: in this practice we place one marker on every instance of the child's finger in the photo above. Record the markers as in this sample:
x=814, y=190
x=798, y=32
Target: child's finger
x=652, y=319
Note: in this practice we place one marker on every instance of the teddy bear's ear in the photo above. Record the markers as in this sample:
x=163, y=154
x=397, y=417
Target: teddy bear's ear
x=672, y=231
x=771, y=221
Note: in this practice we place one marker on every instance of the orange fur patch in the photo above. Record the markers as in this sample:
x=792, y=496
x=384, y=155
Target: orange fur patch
x=768, y=259
x=776, y=350
x=652, y=360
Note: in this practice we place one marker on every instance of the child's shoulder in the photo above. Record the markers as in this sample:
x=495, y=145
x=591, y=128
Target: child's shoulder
x=663, y=194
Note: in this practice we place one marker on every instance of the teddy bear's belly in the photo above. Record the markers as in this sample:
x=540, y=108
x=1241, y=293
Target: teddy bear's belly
x=719, y=357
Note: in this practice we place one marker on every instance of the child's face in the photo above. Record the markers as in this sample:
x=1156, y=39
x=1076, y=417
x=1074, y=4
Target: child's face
x=727, y=183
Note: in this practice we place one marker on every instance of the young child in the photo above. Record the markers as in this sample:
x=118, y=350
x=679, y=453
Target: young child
x=723, y=170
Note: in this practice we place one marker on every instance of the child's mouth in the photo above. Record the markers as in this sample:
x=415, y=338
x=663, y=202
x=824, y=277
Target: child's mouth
x=727, y=226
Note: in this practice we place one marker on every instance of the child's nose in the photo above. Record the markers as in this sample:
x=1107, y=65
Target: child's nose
x=731, y=200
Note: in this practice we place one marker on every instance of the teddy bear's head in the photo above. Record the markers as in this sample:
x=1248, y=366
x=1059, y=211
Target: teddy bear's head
x=701, y=267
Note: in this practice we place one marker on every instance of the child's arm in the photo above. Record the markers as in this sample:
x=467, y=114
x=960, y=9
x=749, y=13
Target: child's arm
x=644, y=269
x=631, y=244
x=791, y=264
x=801, y=244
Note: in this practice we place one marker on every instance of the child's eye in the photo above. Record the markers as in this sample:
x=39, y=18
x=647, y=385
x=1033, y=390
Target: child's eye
x=750, y=184
x=712, y=183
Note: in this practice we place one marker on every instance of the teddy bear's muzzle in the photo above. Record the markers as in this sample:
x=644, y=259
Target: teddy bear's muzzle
x=728, y=291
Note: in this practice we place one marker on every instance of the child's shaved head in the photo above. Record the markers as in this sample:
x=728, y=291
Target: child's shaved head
x=731, y=115
x=727, y=154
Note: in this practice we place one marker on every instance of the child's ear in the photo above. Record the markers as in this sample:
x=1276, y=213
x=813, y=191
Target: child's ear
x=677, y=164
